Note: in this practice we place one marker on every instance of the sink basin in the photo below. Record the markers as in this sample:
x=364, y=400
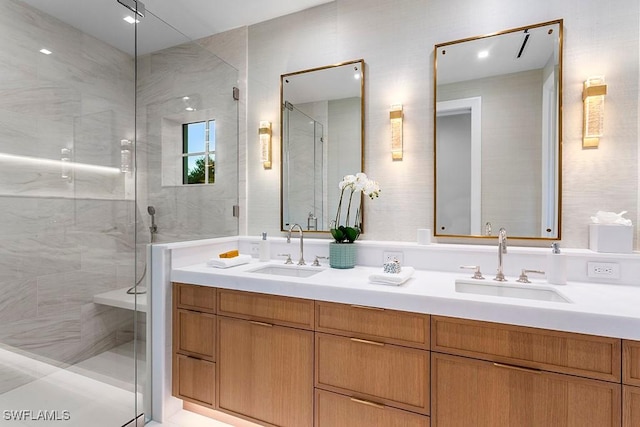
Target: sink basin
x=286, y=270
x=510, y=290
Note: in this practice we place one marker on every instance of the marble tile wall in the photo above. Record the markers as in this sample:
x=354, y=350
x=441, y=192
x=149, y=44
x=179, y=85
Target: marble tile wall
x=61, y=241
x=396, y=38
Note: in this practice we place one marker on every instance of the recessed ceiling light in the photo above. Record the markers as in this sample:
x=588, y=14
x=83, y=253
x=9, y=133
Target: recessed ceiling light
x=483, y=54
x=356, y=76
x=131, y=20
x=190, y=109
x=45, y=51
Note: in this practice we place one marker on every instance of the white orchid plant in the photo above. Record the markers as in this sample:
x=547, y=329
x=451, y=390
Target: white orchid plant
x=353, y=184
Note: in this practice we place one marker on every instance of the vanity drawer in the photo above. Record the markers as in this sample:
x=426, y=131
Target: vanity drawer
x=194, y=380
x=378, y=324
x=277, y=310
x=563, y=352
x=631, y=362
x=195, y=297
x=382, y=373
x=333, y=410
x=194, y=334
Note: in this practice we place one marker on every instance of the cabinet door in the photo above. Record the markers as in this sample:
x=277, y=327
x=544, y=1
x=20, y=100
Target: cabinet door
x=468, y=392
x=265, y=372
x=631, y=362
x=631, y=406
x=336, y=410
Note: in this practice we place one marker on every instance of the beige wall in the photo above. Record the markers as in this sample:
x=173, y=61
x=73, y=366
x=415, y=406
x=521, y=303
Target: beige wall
x=396, y=39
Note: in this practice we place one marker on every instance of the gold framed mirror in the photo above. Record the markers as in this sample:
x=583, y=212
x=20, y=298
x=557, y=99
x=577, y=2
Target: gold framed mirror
x=498, y=134
x=322, y=134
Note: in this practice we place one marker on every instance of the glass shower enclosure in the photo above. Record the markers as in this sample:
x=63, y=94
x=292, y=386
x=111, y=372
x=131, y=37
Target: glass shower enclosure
x=91, y=142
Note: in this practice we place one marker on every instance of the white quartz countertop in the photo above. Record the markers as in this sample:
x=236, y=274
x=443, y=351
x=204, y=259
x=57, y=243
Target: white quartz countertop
x=597, y=309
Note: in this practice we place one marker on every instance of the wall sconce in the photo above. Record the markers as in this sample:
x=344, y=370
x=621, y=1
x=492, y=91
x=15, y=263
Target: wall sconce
x=65, y=161
x=265, y=144
x=593, y=117
x=396, y=117
x=125, y=155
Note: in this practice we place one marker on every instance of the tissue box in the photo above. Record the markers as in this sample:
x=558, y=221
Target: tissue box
x=611, y=238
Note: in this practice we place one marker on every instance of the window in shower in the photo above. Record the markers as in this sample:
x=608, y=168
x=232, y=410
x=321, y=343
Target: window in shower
x=198, y=152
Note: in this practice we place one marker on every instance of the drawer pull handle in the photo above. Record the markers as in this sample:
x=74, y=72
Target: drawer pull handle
x=381, y=344
x=261, y=323
x=366, y=402
x=516, y=368
x=367, y=308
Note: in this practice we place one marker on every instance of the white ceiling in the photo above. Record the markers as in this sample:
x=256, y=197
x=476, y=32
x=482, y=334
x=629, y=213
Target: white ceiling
x=194, y=18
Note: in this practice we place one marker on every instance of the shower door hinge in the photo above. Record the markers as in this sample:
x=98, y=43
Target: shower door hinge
x=236, y=211
x=236, y=93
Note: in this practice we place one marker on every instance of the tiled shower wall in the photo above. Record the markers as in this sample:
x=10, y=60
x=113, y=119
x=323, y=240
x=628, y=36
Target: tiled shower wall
x=62, y=240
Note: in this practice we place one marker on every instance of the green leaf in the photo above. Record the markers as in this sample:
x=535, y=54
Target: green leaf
x=338, y=234
x=351, y=233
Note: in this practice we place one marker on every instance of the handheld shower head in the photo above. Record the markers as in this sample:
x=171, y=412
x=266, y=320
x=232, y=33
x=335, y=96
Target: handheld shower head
x=153, y=228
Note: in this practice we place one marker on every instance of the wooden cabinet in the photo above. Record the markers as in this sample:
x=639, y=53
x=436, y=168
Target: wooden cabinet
x=562, y=352
x=488, y=394
x=277, y=310
x=382, y=373
x=378, y=324
x=631, y=363
x=194, y=337
x=265, y=372
x=630, y=406
x=336, y=410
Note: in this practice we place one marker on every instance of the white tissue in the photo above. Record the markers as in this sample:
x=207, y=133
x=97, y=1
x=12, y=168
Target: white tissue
x=610, y=218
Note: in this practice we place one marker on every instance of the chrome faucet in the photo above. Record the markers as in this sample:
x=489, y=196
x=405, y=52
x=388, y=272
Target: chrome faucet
x=502, y=249
x=301, y=260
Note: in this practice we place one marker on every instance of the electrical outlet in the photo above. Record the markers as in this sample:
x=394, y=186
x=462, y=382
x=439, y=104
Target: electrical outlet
x=391, y=255
x=603, y=270
x=255, y=248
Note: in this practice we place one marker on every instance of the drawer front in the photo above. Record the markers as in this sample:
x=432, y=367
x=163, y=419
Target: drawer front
x=631, y=362
x=336, y=410
x=194, y=297
x=277, y=310
x=576, y=354
x=475, y=392
x=194, y=334
x=383, y=373
x=389, y=326
x=194, y=380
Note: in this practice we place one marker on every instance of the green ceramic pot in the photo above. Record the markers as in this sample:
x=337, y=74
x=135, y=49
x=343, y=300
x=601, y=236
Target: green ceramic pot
x=342, y=255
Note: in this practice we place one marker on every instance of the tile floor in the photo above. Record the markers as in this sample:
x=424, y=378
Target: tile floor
x=97, y=392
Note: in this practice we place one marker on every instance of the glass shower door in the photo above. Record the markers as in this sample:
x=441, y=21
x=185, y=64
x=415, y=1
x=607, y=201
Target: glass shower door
x=67, y=217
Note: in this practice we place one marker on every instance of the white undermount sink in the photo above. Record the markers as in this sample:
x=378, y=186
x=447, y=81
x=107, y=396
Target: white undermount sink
x=286, y=270
x=510, y=290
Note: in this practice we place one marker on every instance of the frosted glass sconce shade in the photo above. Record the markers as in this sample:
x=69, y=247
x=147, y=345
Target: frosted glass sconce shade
x=593, y=100
x=265, y=144
x=396, y=117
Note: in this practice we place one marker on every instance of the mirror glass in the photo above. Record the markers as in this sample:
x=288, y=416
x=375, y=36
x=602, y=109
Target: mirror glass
x=322, y=124
x=498, y=134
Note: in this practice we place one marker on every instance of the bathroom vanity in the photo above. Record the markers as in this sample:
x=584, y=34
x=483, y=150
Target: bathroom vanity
x=331, y=349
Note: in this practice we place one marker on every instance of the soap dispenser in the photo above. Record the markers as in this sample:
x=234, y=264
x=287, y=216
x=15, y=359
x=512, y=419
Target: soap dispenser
x=265, y=248
x=556, y=266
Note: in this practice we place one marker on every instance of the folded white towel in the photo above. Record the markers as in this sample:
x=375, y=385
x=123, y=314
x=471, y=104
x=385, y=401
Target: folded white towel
x=392, y=278
x=228, y=262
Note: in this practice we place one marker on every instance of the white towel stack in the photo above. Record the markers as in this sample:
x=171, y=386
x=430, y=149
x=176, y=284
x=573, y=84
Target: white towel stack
x=228, y=262
x=392, y=278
